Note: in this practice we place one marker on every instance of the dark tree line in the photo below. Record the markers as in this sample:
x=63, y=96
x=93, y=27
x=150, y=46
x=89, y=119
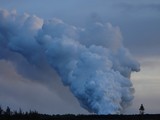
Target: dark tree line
x=5, y=112
x=8, y=114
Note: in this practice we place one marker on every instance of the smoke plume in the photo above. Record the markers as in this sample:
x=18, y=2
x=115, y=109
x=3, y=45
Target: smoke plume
x=91, y=61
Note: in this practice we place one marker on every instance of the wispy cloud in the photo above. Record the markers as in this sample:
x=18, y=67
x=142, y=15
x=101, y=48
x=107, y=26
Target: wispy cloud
x=128, y=7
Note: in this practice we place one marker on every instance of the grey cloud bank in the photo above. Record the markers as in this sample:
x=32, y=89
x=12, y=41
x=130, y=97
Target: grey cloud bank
x=91, y=61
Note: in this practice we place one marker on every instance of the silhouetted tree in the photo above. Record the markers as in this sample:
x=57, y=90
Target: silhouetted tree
x=20, y=111
x=8, y=111
x=26, y=113
x=15, y=112
x=141, y=109
x=1, y=110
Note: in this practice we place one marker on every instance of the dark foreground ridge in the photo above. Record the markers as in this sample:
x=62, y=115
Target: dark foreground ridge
x=36, y=116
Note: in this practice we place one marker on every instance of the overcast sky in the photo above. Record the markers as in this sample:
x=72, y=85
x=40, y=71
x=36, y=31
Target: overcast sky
x=139, y=23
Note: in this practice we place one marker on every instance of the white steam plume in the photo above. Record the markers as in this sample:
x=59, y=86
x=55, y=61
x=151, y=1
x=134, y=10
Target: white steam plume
x=91, y=61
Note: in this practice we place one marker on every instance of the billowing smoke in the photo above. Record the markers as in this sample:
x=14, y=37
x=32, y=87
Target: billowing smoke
x=91, y=61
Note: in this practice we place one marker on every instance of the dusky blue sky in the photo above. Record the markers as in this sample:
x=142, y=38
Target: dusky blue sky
x=139, y=22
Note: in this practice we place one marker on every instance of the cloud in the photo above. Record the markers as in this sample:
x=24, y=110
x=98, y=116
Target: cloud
x=138, y=20
x=132, y=7
x=91, y=61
